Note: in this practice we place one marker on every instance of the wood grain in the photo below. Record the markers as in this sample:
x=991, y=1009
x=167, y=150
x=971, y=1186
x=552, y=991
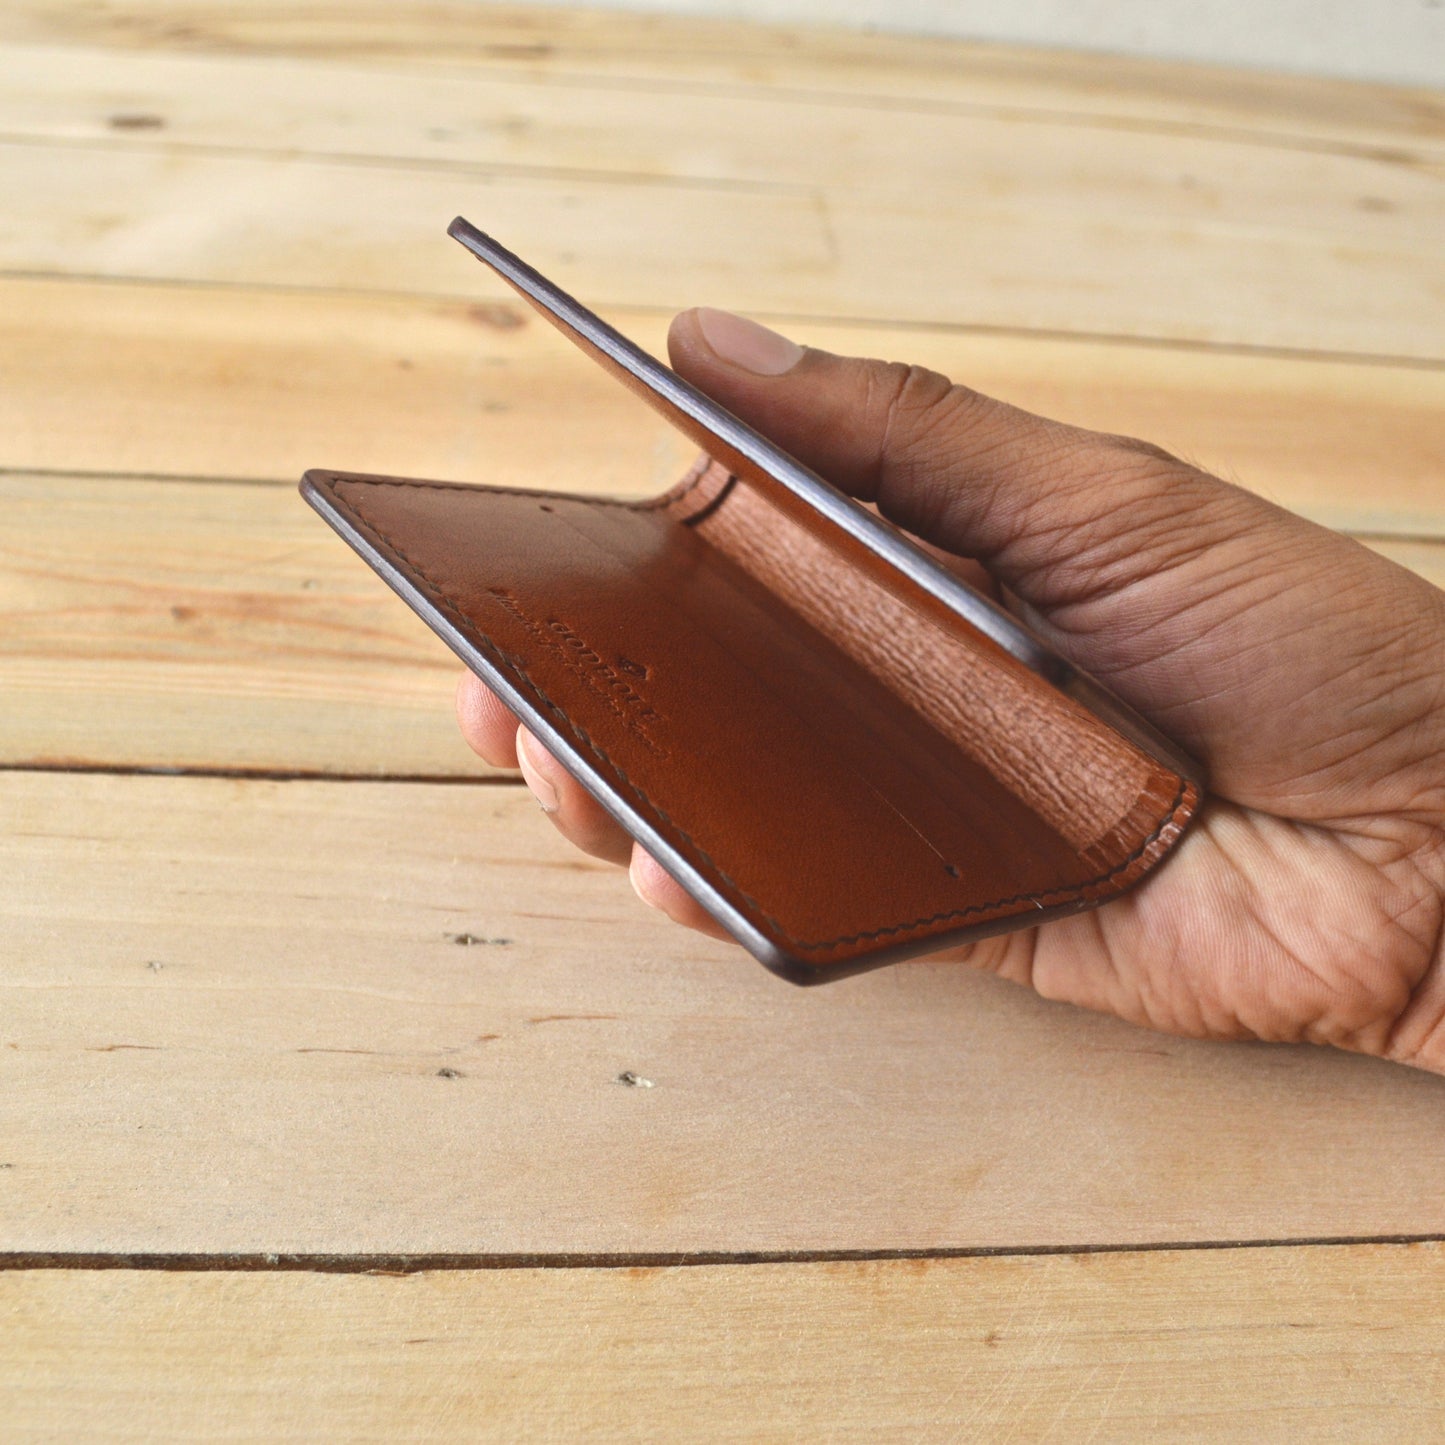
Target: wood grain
x=300, y=222
x=235, y=1019
x=1320, y=1344
x=1123, y=255
x=213, y=381
x=207, y=625
x=218, y=625
x=711, y=58
x=244, y=1016
x=524, y=123
x=219, y=382
x=1046, y=228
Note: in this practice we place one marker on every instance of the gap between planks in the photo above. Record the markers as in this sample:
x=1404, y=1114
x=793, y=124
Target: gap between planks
x=1334, y=1343
x=159, y=86
x=149, y=380
x=1133, y=250
x=939, y=328
x=260, y=775
x=403, y=1264
x=233, y=637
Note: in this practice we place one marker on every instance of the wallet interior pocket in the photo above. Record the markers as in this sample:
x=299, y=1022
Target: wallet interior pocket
x=840, y=776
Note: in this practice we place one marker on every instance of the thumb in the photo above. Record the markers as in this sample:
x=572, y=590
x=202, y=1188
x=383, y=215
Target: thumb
x=1268, y=645
x=1057, y=513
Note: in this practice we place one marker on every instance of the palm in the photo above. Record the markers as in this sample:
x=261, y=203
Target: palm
x=1258, y=928
x=1305, y=903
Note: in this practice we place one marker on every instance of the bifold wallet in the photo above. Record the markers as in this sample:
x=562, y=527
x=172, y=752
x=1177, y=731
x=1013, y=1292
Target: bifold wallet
x=841, y=750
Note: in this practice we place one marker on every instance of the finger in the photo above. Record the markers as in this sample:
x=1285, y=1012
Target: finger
x=576, y=813
x=1056, y=512
x=659, y=889
x=486, y=722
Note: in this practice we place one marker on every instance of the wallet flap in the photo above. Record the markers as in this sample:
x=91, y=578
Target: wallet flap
x=864, y=539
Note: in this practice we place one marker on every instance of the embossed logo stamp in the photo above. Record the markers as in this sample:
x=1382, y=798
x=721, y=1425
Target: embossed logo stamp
x=615, y=683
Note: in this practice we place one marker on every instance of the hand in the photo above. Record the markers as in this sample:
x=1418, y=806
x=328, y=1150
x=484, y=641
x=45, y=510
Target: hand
x=1308, y=674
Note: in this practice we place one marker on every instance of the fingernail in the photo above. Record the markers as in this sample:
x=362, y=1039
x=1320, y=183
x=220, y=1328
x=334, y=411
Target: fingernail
x=746, y=344
x=534, y=761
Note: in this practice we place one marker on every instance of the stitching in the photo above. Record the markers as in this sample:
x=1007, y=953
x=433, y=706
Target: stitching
x=1058, y=896
x=648, y=504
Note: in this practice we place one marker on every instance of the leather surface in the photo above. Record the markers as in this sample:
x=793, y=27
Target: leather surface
x=841, y=775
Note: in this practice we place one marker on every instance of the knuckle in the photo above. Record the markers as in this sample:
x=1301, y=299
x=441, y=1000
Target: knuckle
x=1137, y=447
x=1151, y=475
x=922, y=419
x=916, y=405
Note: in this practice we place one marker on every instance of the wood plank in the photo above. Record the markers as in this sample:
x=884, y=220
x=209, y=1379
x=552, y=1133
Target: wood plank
x=1103, y=239
x=305, y=223
x=522, y=123
x=211, y=381
x=214, y=381
x=193, y=625
x=1326, y=1343
x=235, y=1014
x=235, y=1019
x=233, y=633
x=706, y=56
x=214, y=625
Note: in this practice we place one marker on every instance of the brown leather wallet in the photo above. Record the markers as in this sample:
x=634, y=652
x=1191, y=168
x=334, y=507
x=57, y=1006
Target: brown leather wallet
x=843, y=752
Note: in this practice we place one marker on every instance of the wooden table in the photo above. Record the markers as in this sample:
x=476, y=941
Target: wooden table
x=337, y=1096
